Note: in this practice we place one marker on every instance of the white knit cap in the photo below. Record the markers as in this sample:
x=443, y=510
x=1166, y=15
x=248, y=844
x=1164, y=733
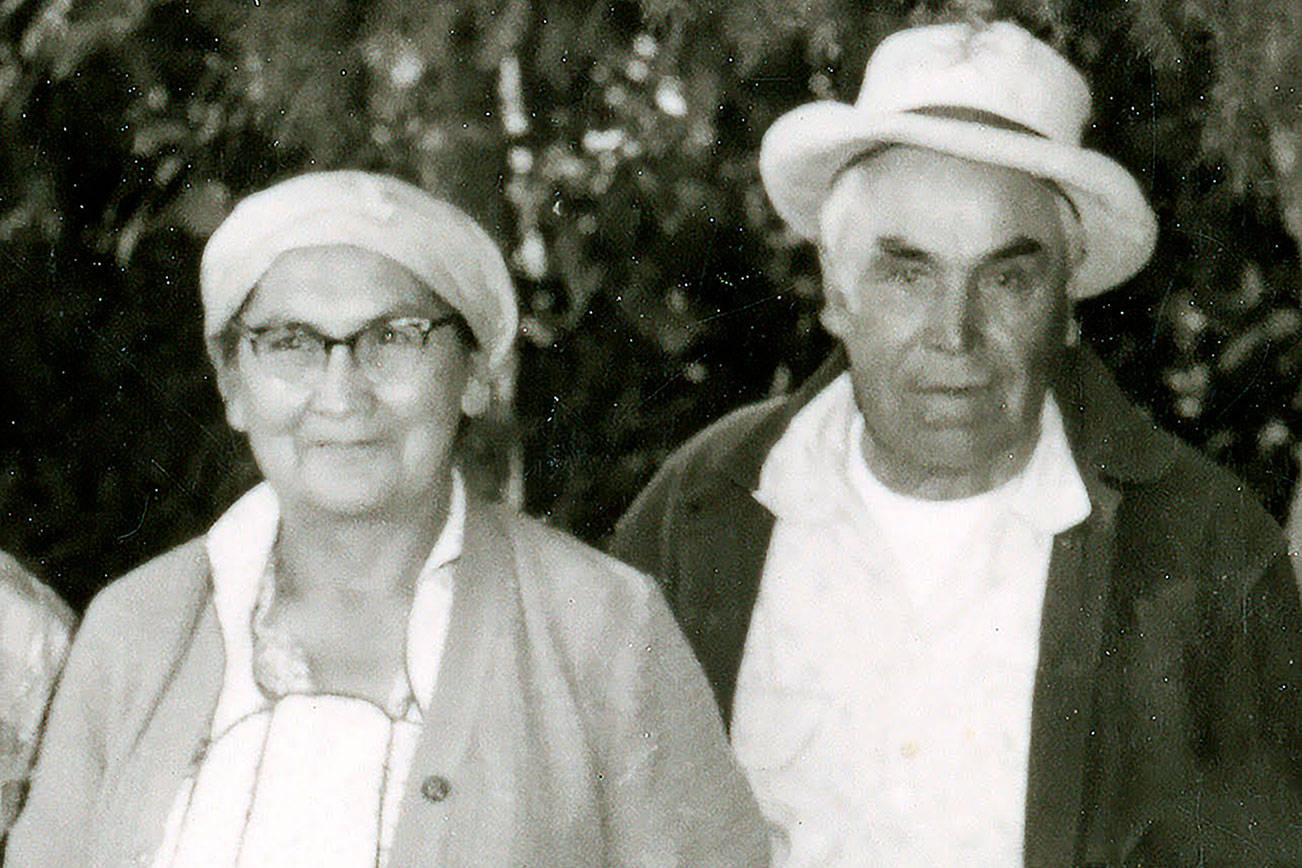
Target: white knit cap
x=432, y=239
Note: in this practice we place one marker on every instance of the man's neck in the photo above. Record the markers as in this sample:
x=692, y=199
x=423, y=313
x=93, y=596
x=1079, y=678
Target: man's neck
x=906, y=477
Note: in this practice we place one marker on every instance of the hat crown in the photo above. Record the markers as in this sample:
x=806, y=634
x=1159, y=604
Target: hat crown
x=999, y=69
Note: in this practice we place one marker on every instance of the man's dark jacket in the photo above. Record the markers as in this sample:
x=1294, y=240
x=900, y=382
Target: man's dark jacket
x=1167, y=708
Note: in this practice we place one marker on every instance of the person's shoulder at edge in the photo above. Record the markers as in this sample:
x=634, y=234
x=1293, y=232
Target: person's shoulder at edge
x=20, y=587
x=120, y=646
x=35, y=628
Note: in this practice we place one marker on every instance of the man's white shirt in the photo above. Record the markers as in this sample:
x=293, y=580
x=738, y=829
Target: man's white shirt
x=882, y=711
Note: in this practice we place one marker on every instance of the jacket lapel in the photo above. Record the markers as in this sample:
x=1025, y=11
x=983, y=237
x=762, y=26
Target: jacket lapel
x=720, y=582
x=725, y=537
x=479, y=623
x=1062, y=705
x=1114, y=445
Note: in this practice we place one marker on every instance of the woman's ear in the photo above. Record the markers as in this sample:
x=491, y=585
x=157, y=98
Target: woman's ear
x=230, y=388
x=476, y=397
x=477, y=394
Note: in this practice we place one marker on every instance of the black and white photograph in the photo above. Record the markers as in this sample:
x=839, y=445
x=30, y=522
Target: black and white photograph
x=793, y=433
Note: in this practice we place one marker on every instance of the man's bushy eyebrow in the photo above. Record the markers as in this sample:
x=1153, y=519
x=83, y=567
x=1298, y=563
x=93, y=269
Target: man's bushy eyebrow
x=898, y=248
x=1022, y=245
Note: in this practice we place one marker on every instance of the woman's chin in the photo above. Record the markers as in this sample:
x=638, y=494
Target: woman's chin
x=354, y=488
x=348, y=495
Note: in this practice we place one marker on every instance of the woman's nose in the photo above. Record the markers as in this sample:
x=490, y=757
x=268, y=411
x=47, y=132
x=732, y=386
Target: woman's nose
x=342, y=386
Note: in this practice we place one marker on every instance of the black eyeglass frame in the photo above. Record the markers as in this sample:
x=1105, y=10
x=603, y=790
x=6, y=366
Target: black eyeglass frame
x=425, y=326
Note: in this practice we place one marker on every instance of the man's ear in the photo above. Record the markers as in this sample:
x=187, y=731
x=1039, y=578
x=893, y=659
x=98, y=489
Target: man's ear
x=835, y=315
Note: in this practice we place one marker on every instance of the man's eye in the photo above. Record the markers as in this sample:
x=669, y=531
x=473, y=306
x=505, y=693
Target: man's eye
x=288, y=340
x=905, y=273
x=1012, y=279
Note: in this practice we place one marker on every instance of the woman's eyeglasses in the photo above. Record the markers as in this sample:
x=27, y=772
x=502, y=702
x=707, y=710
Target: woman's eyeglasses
x=386, y=351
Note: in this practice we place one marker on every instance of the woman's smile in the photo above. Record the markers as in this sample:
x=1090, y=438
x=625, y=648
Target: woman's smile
x=346, y=450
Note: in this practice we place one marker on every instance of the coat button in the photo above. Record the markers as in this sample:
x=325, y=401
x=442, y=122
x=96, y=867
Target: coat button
x=435, y=788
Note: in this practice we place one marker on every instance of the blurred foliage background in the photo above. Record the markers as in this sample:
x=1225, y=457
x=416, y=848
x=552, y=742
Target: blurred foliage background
x=611, y=149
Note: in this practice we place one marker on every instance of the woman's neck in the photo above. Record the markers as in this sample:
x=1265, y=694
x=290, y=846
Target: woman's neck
x=322, y=554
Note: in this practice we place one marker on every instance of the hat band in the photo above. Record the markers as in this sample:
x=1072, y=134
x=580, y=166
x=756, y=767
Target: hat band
x=963, y=114
x=969, y=115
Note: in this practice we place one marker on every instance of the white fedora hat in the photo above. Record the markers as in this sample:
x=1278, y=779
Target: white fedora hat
x=994, y=94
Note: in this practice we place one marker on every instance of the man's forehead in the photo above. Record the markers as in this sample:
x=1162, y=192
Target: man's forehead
x=934, y=198
x=906, y=166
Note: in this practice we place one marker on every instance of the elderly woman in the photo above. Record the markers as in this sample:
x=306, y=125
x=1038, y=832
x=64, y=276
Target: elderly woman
x=361, y=663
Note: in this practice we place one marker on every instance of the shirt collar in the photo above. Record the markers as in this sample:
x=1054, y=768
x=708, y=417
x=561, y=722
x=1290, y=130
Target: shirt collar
x=1049, y=493
x=239, y=546
x=431, y=607
x=803, y=478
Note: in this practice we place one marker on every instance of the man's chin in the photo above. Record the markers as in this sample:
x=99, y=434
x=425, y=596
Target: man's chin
x=959, y=452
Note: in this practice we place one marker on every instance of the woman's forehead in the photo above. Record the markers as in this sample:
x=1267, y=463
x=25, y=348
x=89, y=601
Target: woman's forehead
x=340, y=282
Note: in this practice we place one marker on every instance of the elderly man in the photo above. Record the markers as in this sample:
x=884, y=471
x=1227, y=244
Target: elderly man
x=960, y=601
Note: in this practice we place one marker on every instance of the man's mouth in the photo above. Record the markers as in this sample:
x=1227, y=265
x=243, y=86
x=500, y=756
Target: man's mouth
x=345, y=446
x=950, y=404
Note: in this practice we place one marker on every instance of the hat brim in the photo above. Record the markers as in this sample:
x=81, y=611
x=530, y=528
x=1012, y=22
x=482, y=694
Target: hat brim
x=804, y=150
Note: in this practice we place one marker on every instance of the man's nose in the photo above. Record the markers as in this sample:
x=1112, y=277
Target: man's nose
x=342, y=385
x=952, y=318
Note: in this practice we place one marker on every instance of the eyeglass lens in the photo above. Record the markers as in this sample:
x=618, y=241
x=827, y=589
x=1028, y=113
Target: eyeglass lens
x=384, y=351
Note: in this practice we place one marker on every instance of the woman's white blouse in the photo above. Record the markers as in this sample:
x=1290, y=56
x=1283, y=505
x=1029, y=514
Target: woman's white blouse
x=290, y=775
